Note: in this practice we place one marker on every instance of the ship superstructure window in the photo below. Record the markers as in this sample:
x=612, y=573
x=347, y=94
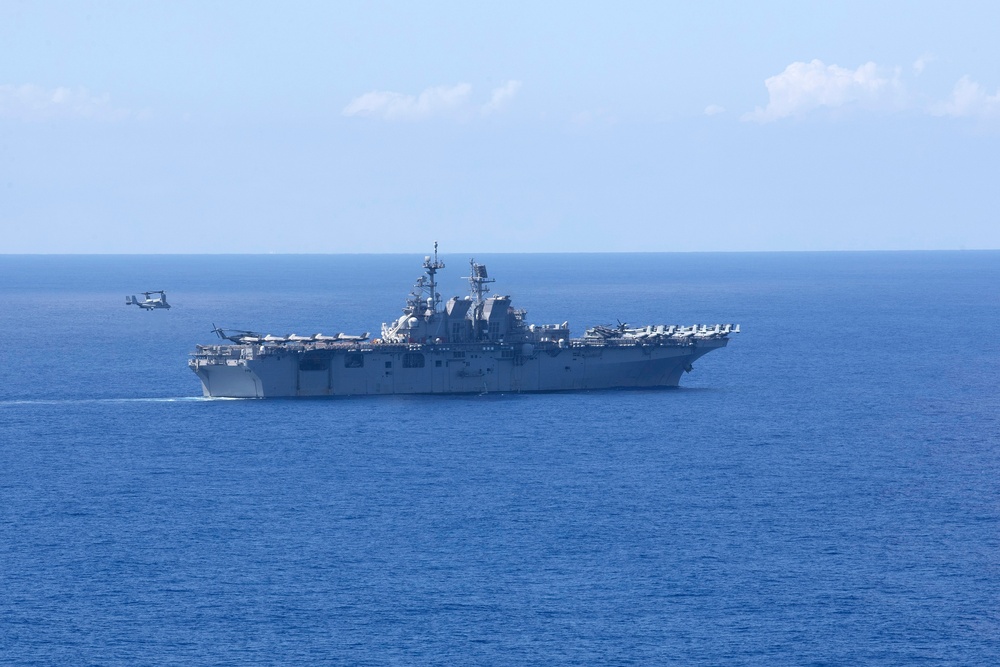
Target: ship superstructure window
x=354, y=360
x=494, y=330
x=413, y=360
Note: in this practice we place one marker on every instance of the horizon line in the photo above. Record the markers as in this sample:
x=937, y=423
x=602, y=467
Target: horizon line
x=456, y=252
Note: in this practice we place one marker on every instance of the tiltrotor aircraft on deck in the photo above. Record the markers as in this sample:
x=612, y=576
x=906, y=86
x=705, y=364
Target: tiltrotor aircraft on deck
x=150, y=302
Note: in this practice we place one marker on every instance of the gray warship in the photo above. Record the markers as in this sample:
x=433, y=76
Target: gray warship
x=473, y=344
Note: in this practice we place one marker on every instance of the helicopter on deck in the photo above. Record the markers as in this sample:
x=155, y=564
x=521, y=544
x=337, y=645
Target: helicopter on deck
x=149, y=302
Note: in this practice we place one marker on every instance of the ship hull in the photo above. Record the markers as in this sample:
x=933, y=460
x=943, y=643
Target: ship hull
x=246, y=371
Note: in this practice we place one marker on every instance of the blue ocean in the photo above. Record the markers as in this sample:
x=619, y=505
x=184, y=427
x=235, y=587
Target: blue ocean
x=824, y=491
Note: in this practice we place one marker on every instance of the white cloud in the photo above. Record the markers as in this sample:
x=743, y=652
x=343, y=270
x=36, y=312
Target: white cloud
x=31, y=102
x=714, y=110
x=435, y=102
x=967, y=99
x=921, y=63
x=501, y=96
x=804, y=87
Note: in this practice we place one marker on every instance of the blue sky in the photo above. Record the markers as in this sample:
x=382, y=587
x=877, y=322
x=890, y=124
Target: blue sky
x=497, y=127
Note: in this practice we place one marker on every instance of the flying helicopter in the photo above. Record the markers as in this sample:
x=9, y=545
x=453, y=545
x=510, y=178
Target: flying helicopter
x=150, y=302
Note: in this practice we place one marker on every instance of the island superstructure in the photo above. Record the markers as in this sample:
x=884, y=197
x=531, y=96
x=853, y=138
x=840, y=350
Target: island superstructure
x=474, y=344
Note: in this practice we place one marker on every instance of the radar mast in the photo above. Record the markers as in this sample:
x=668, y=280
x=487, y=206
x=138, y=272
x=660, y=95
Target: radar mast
x=432, y=268
x=424, y=298
x=479, y=280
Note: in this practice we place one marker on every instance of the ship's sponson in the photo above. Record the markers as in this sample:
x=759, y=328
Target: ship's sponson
x=472, y=344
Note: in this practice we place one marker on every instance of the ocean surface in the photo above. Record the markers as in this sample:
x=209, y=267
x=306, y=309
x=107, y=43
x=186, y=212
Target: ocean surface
x=824, y=491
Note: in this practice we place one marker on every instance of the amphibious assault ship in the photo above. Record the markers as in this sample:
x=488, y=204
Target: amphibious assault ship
x=473, y=344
